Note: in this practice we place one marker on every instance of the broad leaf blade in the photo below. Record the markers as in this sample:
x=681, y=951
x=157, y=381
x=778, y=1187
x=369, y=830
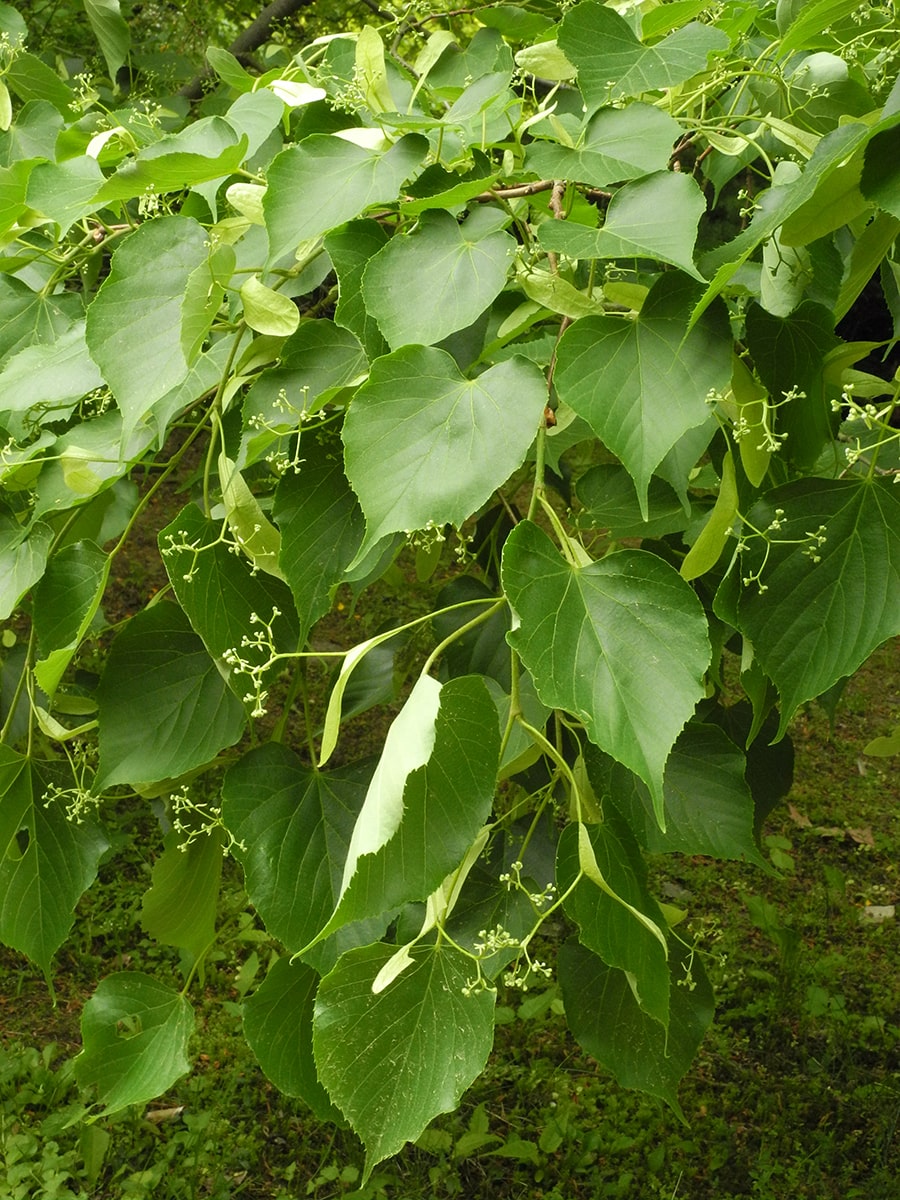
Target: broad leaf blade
x=326, y=180
x=135, y=1032
x=425, y=446
x=612, y=63
x=823, y=605
x=134, y=325
x=655, y=217
x=164, y=706
x=46, y=862
x=393, y=1061
x=293, y=827
x=278, y=1027
x=422, y=287
x=609, y=1024
x=606, y=925
x=616, y=144
x=179, y=908
x=641, y=385
x=622, y=643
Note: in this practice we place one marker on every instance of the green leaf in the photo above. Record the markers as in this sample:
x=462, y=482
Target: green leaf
x=654, y=217
x=293, y=827
x=31, y=79
x=229, y=69
x=28, y=317
x=608, y=495
x=621, y=643
x=789, y=354
x=46, y=861
x=268, y=311
x=44, y=380
x=111, y=31
x=134, y=324
x=830, y=579
x=886, y=746
x=613, y=64
x=135, y=1032
x=430, y=795
x=394, y=1060
x=424, y=446
x=206, y=150
x=642, y=384
x=219, y=591
x=609, y=918
x=278, y=1027
x=809, y=20
x=711, y=541
x=616, y=144
x=321, y=528
x=350, y=249
x=326, y=181
x=609, y=1024
x=709, y=809
x=371, y=74
x=164, y=706
x=257, y=537
x=836, y=201
x=422, y=287
x=880, y=181
x=23, y=557
x=64, y=192
x=179, y=908
x=65, y=603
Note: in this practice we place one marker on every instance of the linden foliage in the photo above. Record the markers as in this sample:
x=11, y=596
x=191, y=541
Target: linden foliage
x=555, y=306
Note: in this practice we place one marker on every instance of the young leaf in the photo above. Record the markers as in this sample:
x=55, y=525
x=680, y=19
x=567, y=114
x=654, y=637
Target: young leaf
x=135, y=1032
x=622, y=643
x=707, y=549
x=425, y=446
x=253, y=531
x=268, y=311
x=394, y=1060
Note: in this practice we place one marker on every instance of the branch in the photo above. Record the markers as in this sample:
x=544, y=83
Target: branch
x=247, y=41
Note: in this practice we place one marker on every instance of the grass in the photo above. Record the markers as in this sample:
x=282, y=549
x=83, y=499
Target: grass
x=795, y=1093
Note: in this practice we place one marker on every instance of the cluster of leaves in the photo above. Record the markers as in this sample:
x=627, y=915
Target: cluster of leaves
x=567, y=311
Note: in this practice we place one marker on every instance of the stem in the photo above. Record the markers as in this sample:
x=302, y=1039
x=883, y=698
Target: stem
x=463, y=629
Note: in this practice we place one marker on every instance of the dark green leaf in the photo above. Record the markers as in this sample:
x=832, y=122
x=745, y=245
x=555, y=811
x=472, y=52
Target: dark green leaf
x=164, y=706
x=179, y=908
x=350, y=248
x=111, y=32
x=607, y=492
x=321, y=528
x=621, y=643
x=709, y=809
x=278, y=1027
x=642, y=384
x=46, y=861
x=825, y=587
x=606, y=925
x=609, y=1024
x=65, y=603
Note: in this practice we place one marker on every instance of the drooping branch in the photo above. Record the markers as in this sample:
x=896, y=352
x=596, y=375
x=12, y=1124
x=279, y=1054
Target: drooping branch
x=249, y=39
